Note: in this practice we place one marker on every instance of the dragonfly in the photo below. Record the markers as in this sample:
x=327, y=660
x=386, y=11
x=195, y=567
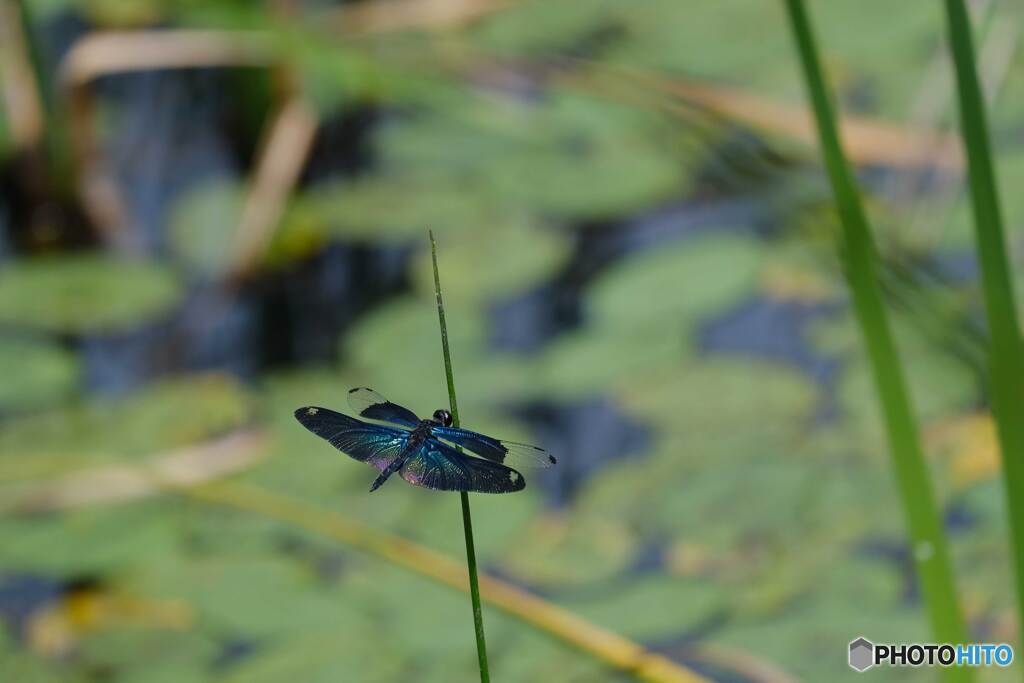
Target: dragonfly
x=430, y=453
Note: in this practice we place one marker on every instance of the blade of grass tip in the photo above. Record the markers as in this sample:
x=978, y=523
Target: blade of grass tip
x=926, y=532
x=467, y=519
x=1006, y=350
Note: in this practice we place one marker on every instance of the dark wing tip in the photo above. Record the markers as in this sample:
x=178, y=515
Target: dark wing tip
x=516, y=479
x=303, y=414
x=355, y=389
x=552, y=459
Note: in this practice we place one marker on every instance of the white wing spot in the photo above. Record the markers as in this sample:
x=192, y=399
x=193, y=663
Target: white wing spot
x=513, y=477
x=311, y=411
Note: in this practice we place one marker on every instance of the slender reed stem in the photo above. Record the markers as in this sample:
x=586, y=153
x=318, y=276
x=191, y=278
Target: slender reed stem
x=858, y=249
x=467, y=520
x=1006, y=350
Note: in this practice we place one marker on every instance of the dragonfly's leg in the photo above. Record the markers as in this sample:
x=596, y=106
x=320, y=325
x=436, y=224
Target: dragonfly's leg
x=387, y=472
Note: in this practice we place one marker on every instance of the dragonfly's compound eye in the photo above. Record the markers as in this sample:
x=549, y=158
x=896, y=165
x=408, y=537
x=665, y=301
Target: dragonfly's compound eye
x=444, y=417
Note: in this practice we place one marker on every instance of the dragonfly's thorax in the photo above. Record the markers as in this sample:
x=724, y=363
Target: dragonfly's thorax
x=420, y=434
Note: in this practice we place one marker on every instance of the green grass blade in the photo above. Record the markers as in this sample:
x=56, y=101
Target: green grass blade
x=1006, y=351
x=926, y=532
x=467, y=520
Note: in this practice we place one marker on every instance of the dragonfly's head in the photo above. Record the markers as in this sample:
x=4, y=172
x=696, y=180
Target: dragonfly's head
x=443, y=417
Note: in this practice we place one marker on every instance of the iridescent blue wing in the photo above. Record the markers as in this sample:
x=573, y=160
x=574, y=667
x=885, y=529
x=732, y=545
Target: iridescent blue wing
x=374, y=444
x=505, y=452
x=439, y=466
x=371, y=405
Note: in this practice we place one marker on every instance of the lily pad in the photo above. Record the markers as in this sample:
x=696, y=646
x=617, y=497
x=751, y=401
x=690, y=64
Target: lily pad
x=36, y=373
x=768, y=398
x=397, y=351
x=535, y=27
x=593, y=361
x=568, y=156
x=491, y=260
x=549, y=659
x=84, y=294
x=434, y=518
x=826, y=623
x=246, y=594
x=204, y=223
x=391, y=207
x=167, y=415
x=574, y=550
x=91, y=542
x=940, y=384
x=391, y=589
x=674, y=286
x=399, y=347
x=388, y=70
x=637, y=608
x=319, y=658
x=144, y=637
x=24, y=666
x=879, y=73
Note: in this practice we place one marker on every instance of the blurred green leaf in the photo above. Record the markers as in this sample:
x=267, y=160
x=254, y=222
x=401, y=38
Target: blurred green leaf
x=490, y=260
x=567, y=155
x=36, y=373
x=636, y=606
x=746, y=513
x=570, y=550
x=203, y=225
x=674, y=286
x=167, y=415
x=388, y=68
x=536, y=28
x=323, y=658
x=85, y=293
x=594, y=360
x=18, y=664
x=643, y=314
x=264, y=598
x=940, y=384
x=764, y=397
x=527, y=655
x=397, y=347
x=91, y=542
x=876, y=69
x=140, y=652
x=384, y=207
x=825, y=623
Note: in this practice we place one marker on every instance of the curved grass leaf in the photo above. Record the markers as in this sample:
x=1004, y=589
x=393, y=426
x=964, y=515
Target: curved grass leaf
x=923, y=521
x=1006, y=350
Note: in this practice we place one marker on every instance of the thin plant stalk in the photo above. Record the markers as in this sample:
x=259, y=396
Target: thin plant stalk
x=1006, y=350
x=467, y=519
x=858, y=250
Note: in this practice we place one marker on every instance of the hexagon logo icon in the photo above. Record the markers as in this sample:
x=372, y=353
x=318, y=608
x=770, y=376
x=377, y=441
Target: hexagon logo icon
x=862, y=654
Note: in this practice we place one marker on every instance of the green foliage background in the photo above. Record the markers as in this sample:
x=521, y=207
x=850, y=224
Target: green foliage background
x=761, y=518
